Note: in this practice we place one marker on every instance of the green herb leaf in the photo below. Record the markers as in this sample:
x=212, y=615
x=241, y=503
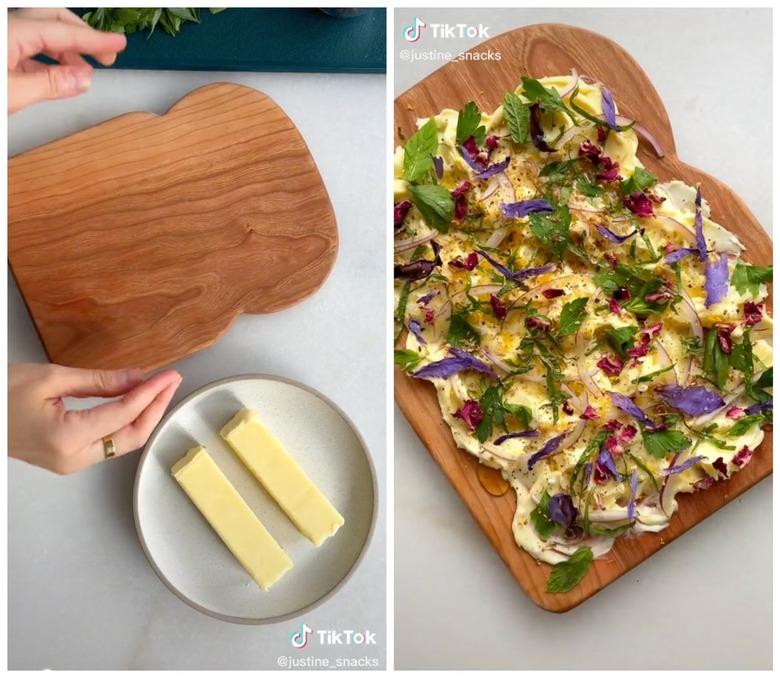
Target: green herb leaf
x=552, y=230
x=640, y=181
x=742, y=426
x=661, y=443
x=540, y=516
x=621, y=339
x=549, y=99
x=419, y=150
x=716, y=363
x=572, y=315
x=652, y=375
x=748, y=278
x=469, y=120
x=566, y=575
x=406, y=359
x=435, y=204
x=492, y=413
x=461, y=333
x=400, y=311
x=517, y=116
x=588, y=189
x=521, y=413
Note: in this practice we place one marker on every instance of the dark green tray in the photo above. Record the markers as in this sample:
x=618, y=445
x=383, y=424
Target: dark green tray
x=297, y=40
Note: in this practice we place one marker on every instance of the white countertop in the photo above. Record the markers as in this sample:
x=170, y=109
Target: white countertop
x=81, y=593
x=705, y=601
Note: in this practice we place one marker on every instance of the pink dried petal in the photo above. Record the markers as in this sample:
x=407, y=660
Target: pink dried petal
x=753, y=313
x=611, y=365
x=614, y=307
x=639, y=204
x=567, y=407
x=471, y=413
x=704, y=483
x=611, y=258
x=429, y=315
x=612, y=425
x=743, y=457
x=552, y=293
x=627, y=434
x=720, y=466
x=534, y=322
x=735, y=412
x=499, y=307
x=471, y=262
x=589, y=413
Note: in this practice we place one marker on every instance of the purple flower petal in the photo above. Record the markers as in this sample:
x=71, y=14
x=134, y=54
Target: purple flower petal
x=759, y=407
x=459, y=362
x=537, y=132
x=438, y=166
x=680, y=468
x=425, y=299
x=524, y=208
x=517, y=276
x=701, y=243
x=611, y=235
x=587, y=472
x=608, y=108
x=400, y=210
x=561, y=510
x=532, y=433
x=632, y=500
x=625, y=404
x=677, y=255
x=717, y=282
x=422, y=268
x=493, y=169
x=416, y=330
x=690, y=400
x=470, y=160
x=550, y=446
x=605, y=461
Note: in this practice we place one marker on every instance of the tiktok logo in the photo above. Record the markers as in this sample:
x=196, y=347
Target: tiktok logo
x=298, y=639
x=413, y=31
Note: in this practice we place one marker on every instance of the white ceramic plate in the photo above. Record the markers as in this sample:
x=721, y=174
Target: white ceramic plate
x=189, y=556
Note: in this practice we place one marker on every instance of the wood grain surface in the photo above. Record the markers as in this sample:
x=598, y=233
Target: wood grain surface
x=138, y=241
x=543, y=50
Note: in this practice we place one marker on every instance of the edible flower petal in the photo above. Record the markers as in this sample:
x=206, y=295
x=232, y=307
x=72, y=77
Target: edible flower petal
x=753, y=313
x=531, y=433
x=416, y=330
x=523, y=208
x=438, y=166
x=720, y=466
x=759, y=407
x=690, y=400
x=400, y=210
x=469, y=264
x=422, y=268
x=498, y=306
x=608, y=108
x=458, y=362
x=471, y=413
x=676, y=255
x=561, y=510
x=549, y=447
x=701, y=243
x=743, y=457
x=535, y=127
x=517, y=275
x=493, y=169
x=625, y=404
x=611, y=365
x=611, y=235
x=717, y=283
x=672, y=469
x=639, y=204
x=589, y=413
x=632, y=500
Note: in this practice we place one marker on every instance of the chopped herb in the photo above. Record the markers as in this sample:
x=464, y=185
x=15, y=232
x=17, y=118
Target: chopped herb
x=552, y=230
x=521, y=413
x=492, y=411
x=540, y=516
x=469, y=120
x=652, y=375
x=640, y=181
x=517, y=115
x=716, y=363
x=549, y=99
x=621, y=339
x=742, y=426
x=461, y=333
x=435, y=204
x=572, y=315
x=661, y=443
x=406, y=358
x=748, y=278
x=588, y=189
x=400, y=311
x=692, y=345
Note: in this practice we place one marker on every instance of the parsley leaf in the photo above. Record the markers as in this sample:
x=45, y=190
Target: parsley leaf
x=566, y=575
x=435, y=204
x=640, y=180
x=742, y=426
x=419, y=150
x=746, y=277
x=469, y=120
x=540, y=516
x=406, y=359
x=660, y=443
x=572, y=315
x=517, y=115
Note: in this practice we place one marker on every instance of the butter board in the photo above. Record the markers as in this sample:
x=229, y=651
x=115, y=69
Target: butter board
x=542, y=50
x=189, y=556
x=138, y=241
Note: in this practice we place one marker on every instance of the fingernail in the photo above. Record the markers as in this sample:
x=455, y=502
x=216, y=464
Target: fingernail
x=83, y=80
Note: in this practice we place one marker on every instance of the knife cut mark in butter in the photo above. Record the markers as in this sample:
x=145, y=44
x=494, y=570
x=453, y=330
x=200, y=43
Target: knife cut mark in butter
x=230, y=516
x=283, y=479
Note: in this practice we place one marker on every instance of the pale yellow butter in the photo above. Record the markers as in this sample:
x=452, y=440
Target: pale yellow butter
x=281, y=476
x=231, y=518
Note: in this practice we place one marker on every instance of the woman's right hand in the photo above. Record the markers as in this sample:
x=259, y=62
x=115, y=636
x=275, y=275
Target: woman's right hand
x=41, y=431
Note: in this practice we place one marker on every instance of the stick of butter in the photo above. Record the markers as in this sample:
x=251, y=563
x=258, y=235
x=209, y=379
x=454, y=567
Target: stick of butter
x=281, y=476
x=231, y=518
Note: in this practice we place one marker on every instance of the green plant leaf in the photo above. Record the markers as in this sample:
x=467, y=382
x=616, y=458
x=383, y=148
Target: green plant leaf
x=435, y=204
x=566, y=575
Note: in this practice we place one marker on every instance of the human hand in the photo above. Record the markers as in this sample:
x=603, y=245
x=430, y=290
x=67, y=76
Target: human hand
x=63, y=36
x=41, y=431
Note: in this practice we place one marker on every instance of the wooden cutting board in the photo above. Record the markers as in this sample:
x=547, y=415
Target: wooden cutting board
x=542, y=50
x=138, y=241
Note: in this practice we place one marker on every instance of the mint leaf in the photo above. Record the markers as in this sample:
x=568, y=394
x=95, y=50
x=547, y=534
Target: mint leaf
x=549, y=99
x=406, y=359
x=517, y=116
x=435, y=204
x=572, y=315
x=661, y=443
x=419, y=151
x=566, y=575
x=640, y=181
x=461, y=333
x=469, y=120
x=540, y=517
x=748, y=278
x=621, y=339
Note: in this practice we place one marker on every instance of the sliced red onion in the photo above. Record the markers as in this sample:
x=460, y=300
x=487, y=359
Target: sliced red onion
x=569, y=134
x=575, y=79
x=668, y=360
x=497, y=237
x=490, y=188
x=579, y=352
x=406, y=245
x=643, y=132
x=688, y=311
